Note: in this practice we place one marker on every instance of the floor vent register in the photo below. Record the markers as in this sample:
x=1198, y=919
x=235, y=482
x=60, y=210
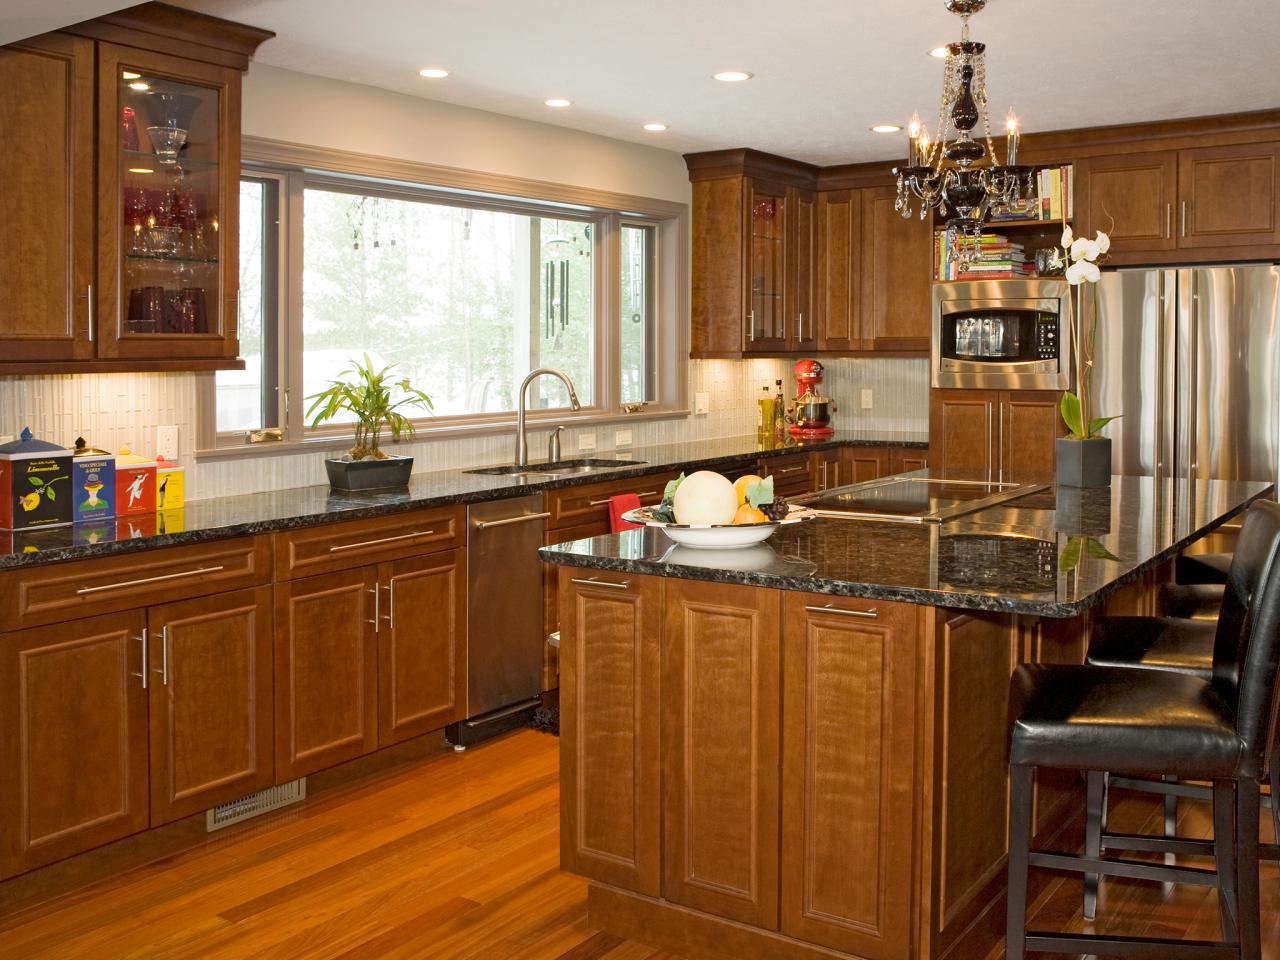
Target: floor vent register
x=256, y=804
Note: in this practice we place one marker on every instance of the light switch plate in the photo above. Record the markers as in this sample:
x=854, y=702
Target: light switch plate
x=701, y=403
x=866, y=399
x=622, y=438
x=167, y=442
x=586, y=441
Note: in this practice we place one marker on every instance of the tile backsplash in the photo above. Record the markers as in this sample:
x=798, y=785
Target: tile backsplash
x=115, y=409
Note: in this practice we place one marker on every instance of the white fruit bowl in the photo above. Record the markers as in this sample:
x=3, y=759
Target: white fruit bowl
x=724, y=536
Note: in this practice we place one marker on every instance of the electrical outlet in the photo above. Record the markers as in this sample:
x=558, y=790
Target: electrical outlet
x=701, y=403
x=866, y=399
x=586, y=441
x=167, y=442
x=622, y=438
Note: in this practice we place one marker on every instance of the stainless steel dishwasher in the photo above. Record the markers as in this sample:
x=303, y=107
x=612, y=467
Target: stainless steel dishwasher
x=504, y=618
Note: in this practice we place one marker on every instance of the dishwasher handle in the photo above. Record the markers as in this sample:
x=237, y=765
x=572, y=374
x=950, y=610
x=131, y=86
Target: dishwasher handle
x=485, y=524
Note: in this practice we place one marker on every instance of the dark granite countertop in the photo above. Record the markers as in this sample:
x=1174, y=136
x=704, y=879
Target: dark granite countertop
x=1049, y=553
x=203, y=520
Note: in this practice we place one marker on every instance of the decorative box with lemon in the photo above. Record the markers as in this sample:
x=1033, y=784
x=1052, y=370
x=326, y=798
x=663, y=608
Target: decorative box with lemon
x=35, y=483
x=707, y=510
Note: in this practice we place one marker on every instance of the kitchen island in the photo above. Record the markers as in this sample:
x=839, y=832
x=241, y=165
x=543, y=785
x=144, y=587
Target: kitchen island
x=797, y=750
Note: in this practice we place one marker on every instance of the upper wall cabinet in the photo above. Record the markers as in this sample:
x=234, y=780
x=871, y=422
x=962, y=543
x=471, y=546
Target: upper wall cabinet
x=119, y=214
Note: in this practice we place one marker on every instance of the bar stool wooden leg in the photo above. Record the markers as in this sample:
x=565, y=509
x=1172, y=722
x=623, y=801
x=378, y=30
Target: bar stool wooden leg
x=1095, y=803
x=1247, y=903
x=1021, y=780
x=1224, y=852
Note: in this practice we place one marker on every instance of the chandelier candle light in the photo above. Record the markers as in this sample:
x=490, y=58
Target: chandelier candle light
x=954, y=171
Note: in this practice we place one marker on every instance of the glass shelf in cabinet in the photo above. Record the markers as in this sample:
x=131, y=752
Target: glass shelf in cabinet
x=165, y=258
x=153, y=164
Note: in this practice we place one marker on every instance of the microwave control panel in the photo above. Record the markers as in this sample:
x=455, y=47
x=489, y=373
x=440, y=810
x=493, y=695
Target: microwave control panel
x=1046, y=339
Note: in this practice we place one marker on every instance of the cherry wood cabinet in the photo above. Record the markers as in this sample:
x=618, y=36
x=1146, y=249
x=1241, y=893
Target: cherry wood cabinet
x=73, y=738
x=849, y=680
x=46, y=205
x=793, y=473
x=804, y=329
x=897, y=275
x=1005, y=435
x=1229, y=196
x=610, y=764
x=721, y=701
x=865, y=463
x=1132, y=197
x=1030, y=424
x=839, y=271
x=211, y=704
x=905, y=459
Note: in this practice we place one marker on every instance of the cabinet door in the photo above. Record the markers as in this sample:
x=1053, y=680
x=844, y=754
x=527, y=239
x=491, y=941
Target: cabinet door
x=73, y=738
x=828, y=469
x=422, y=645
x=765, y=210
x=897, y=276
x=1029, y=425
x=849, y=691
x=168, y=210
x=865, y=463
x=801, y=315
x=792, y=474
x=211, y=702
x=839, y=276
x=962, y=433
x=326, y=671
x=551, y=593
x=1228, y=196
x=720, y=739
x=610, y=804
x=906, y=459
x=1131, y=197
x=46, y=203
x=718, y=311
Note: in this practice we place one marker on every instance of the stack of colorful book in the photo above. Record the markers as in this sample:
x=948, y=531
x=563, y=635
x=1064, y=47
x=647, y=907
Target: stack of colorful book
x=998, y=258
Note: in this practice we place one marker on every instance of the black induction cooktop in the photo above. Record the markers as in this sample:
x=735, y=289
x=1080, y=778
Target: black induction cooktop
x=913, y=499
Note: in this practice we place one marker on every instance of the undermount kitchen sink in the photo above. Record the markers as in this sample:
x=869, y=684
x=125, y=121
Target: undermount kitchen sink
x=558, y=469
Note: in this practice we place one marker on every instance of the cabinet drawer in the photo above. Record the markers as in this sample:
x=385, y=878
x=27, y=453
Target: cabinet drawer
x=83, y=588
x=791, y=474
x=354, y=543
x=576, y=505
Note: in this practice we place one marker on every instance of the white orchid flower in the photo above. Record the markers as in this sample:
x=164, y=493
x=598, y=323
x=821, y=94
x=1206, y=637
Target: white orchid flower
x=1083, y=271
x=1084, y=249
x=1104, y=243
x=1067, y=237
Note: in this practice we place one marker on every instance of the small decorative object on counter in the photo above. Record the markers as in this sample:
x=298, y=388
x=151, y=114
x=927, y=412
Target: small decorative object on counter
x=135, y=484
x=93, y=483
x=170, y=485
x=367, y=394
x=779, y=415
x=764, y=417
x=812, y=416
x=35, y=483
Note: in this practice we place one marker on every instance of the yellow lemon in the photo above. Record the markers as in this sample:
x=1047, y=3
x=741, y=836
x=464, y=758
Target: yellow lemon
x=740, y=486
x=30, y=501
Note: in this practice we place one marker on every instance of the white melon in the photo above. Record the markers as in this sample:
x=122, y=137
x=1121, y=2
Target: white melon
x=705, y=497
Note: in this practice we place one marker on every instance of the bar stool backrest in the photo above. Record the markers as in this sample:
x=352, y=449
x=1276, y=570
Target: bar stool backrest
x=1260, y=661
x=1250, y=564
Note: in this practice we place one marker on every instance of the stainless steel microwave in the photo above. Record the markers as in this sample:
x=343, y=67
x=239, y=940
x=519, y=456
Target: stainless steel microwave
x=1002, y=334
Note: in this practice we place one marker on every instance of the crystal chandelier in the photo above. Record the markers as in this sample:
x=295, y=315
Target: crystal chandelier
x=953, y=171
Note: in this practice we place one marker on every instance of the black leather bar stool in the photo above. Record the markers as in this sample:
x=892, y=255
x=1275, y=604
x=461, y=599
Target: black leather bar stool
x=1155, y=722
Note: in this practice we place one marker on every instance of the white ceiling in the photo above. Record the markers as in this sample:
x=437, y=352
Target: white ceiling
x=825, y=70
x=26, y=18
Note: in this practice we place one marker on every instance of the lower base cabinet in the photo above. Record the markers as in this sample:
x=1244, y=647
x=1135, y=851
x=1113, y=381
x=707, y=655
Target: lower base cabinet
x=1004, y=435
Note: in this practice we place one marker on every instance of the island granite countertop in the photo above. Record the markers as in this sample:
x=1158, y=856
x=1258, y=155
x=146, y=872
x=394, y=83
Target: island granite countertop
x=214, y=519
x=1052, y=553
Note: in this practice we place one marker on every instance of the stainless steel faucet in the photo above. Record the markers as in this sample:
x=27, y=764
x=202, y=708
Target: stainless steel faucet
x=522, y=441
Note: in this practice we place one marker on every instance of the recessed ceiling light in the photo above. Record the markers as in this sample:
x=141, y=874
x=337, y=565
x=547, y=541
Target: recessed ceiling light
x=886, y=128
x=129, y=75
x=141, y=86
x=433, y=73
x=732, y=76
x=655, y=127
x=939, y=52
x=558, y=102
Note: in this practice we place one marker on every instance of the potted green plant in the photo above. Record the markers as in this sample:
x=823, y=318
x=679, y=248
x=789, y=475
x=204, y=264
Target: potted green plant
x=366, y=393
x=1084, y=455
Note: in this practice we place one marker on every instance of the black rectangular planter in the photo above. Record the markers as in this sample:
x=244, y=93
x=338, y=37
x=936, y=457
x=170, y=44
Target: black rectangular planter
x=385, y=474
x=1084, y=463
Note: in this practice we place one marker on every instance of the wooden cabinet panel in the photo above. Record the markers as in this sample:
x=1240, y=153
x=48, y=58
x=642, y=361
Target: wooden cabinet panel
x=1131, y=197
x=551, y=594
x=962, y=432
x=1229, y=195
x=422, y=645
x=792, y=474
x=355, y=543
x=720, y=772
x=765, y=209
x=610, y=768
x=865, y=463
x=211, y=715
x=801, y=302
x=905, y=459
x=849, y=693
x=46, y=204
x=828, y=469
x=838, y=270
x=1029, y=425
x=590, y=503
x=326, y=671
x=719, y=311
x=897, y=274
x=73, y=739
x=30, y=596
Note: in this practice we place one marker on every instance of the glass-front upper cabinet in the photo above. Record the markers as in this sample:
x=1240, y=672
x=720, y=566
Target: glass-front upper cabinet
x=766, y=207
x=169, y=175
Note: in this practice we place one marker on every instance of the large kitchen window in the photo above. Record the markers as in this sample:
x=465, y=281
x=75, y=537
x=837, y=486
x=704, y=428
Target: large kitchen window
x=464, y=291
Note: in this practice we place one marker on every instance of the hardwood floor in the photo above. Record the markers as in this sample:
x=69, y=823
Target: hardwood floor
x=452, y=859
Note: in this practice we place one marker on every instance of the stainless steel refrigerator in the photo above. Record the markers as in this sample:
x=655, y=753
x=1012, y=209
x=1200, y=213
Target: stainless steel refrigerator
x=1191, y=358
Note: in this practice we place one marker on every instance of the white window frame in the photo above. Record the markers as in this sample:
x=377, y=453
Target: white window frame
x=297, y=167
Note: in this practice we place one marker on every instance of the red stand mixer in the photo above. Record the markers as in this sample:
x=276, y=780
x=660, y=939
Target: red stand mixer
x=811, y=413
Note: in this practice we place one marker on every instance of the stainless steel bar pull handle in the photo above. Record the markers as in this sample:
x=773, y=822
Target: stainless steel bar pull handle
x=751, y=325
x=391, y=605
x=92, y=313
x=597, y=503
x=373, y=543
x=485, y=524
x=1182, y=219
x=864, y=614
x=158, y=579
x=593, y=582
x=1168, y=220
x=164, y=655
x=146, y=657
x=377, y=594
